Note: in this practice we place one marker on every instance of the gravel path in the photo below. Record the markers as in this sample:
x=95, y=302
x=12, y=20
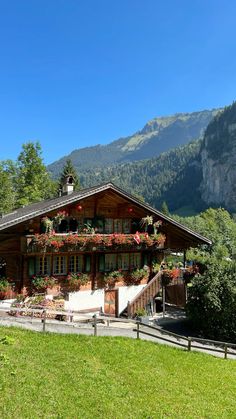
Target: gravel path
x=114, y=329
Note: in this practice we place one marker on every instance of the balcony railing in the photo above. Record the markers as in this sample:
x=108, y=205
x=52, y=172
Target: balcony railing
x=91, y=242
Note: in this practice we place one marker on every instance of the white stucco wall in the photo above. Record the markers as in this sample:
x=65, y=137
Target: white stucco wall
x=127, y=294
x=82, y=300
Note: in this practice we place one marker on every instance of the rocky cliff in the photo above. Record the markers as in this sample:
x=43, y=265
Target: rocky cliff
x=218, y=157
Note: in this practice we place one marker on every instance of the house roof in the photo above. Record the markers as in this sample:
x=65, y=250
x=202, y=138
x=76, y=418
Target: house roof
x=40, y=208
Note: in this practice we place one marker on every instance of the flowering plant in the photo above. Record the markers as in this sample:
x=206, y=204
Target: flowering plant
x=47, y=223
x=82, y=241
x=135, y=277
x=42, y=282
x=75, y=280
x=110, y=278
x=5, y=285
x=61, y=215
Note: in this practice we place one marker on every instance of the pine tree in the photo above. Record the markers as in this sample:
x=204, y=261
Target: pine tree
x=165, y=209
x=33, y=182
x=69, y=169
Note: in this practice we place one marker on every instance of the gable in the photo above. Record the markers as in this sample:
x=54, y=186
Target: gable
x=108, y=201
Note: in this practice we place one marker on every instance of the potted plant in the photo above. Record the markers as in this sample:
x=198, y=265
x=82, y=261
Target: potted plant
x=137, y=275
x=42, y=282
x=75, y=280
x=5, y=288
x=47, y=224
x=111, y=278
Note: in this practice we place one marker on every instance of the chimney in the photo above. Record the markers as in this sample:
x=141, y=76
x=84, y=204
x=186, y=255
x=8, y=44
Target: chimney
x=68, y=184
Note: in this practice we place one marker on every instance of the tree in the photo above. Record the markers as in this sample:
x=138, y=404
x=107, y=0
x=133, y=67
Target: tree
x=212, y=301
x=165, y=209
x=33, y=181
x=69, y=169
x=7, y=191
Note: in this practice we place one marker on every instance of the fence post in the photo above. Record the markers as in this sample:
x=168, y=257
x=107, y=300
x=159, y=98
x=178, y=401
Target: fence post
x=44, y=320
x=189, y=344
x=164, y=300
x=128, y=309
x=95, y=332
x=226, y=351
x=138, y=324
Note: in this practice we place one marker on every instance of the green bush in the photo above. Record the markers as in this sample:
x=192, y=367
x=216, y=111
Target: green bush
x=212, y=302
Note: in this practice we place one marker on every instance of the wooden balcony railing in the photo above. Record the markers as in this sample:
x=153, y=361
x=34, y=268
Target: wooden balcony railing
x=90, y=242
x=145, y=296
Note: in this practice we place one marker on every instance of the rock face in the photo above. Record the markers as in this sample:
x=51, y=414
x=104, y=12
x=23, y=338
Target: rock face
x=218, y=156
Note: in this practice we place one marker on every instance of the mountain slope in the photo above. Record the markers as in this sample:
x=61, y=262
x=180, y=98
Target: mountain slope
x=174, y=176
x=197, y=175
x=158, y=135
x=218, y=160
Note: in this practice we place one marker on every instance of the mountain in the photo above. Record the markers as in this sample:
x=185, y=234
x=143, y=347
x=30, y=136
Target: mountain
x=190, y=177
x=173, y=177
x=157, y=136
x=218, y=160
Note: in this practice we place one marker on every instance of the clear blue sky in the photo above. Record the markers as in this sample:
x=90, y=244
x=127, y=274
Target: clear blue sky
x=81, y=72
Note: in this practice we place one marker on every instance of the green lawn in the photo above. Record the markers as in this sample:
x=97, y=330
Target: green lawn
x=69, y=376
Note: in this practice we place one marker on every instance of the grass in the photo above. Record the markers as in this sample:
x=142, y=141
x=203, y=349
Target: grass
x=69, y=376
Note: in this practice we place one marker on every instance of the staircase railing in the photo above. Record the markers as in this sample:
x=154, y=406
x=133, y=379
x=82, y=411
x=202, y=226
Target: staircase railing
x=145, y=295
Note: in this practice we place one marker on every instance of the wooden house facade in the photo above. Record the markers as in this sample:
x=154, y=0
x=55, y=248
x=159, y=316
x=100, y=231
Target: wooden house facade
x=91, y=233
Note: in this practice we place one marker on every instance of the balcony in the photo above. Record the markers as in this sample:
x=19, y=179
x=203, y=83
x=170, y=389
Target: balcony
x=49, y=243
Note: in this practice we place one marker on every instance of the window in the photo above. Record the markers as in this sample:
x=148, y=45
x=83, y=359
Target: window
x=75, y=263
x=108, y=225
x=43, y=265
x=123, y=261
x=134, y=260
x=118, y=225
x=110, y=262
x=59, y=265
x=73, y=225
x=63, y=226
x=3, y=265
x=126, y=226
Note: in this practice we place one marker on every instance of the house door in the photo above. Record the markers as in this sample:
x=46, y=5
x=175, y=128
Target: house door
x=111, y=302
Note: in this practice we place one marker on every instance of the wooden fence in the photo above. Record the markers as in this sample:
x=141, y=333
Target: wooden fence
x=189, y=343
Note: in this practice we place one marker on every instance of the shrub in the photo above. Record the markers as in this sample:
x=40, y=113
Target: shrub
x=212, y=302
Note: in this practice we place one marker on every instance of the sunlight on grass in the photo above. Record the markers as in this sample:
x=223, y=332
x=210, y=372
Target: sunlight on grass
x=69, y=376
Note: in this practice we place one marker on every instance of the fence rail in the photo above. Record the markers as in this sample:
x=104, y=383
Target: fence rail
x=189, y=343
x=224, y=348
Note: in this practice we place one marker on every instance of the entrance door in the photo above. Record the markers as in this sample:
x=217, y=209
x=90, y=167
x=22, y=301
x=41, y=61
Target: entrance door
x=111, y=302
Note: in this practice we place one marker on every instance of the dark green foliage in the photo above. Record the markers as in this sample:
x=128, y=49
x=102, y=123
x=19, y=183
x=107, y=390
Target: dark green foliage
x=169, y=177
x=164, y=208
x=217, y=225
x=7, y=191
x=212, y=302
x=69, y=169
x=220, y=136
x=33, y=182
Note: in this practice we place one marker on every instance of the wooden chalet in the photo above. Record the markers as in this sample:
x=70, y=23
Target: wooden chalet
x=93, y=231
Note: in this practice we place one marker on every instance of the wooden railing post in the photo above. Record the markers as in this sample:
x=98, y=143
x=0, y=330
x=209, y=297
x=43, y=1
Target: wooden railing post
x=95, y=332
x=138, y=324
x=129, y=309
x=44, y=320
x=226, y=351
x=189, y=344
x=164, y=300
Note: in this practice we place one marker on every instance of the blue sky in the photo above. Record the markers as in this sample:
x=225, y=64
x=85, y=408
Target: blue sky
x=76, y=73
